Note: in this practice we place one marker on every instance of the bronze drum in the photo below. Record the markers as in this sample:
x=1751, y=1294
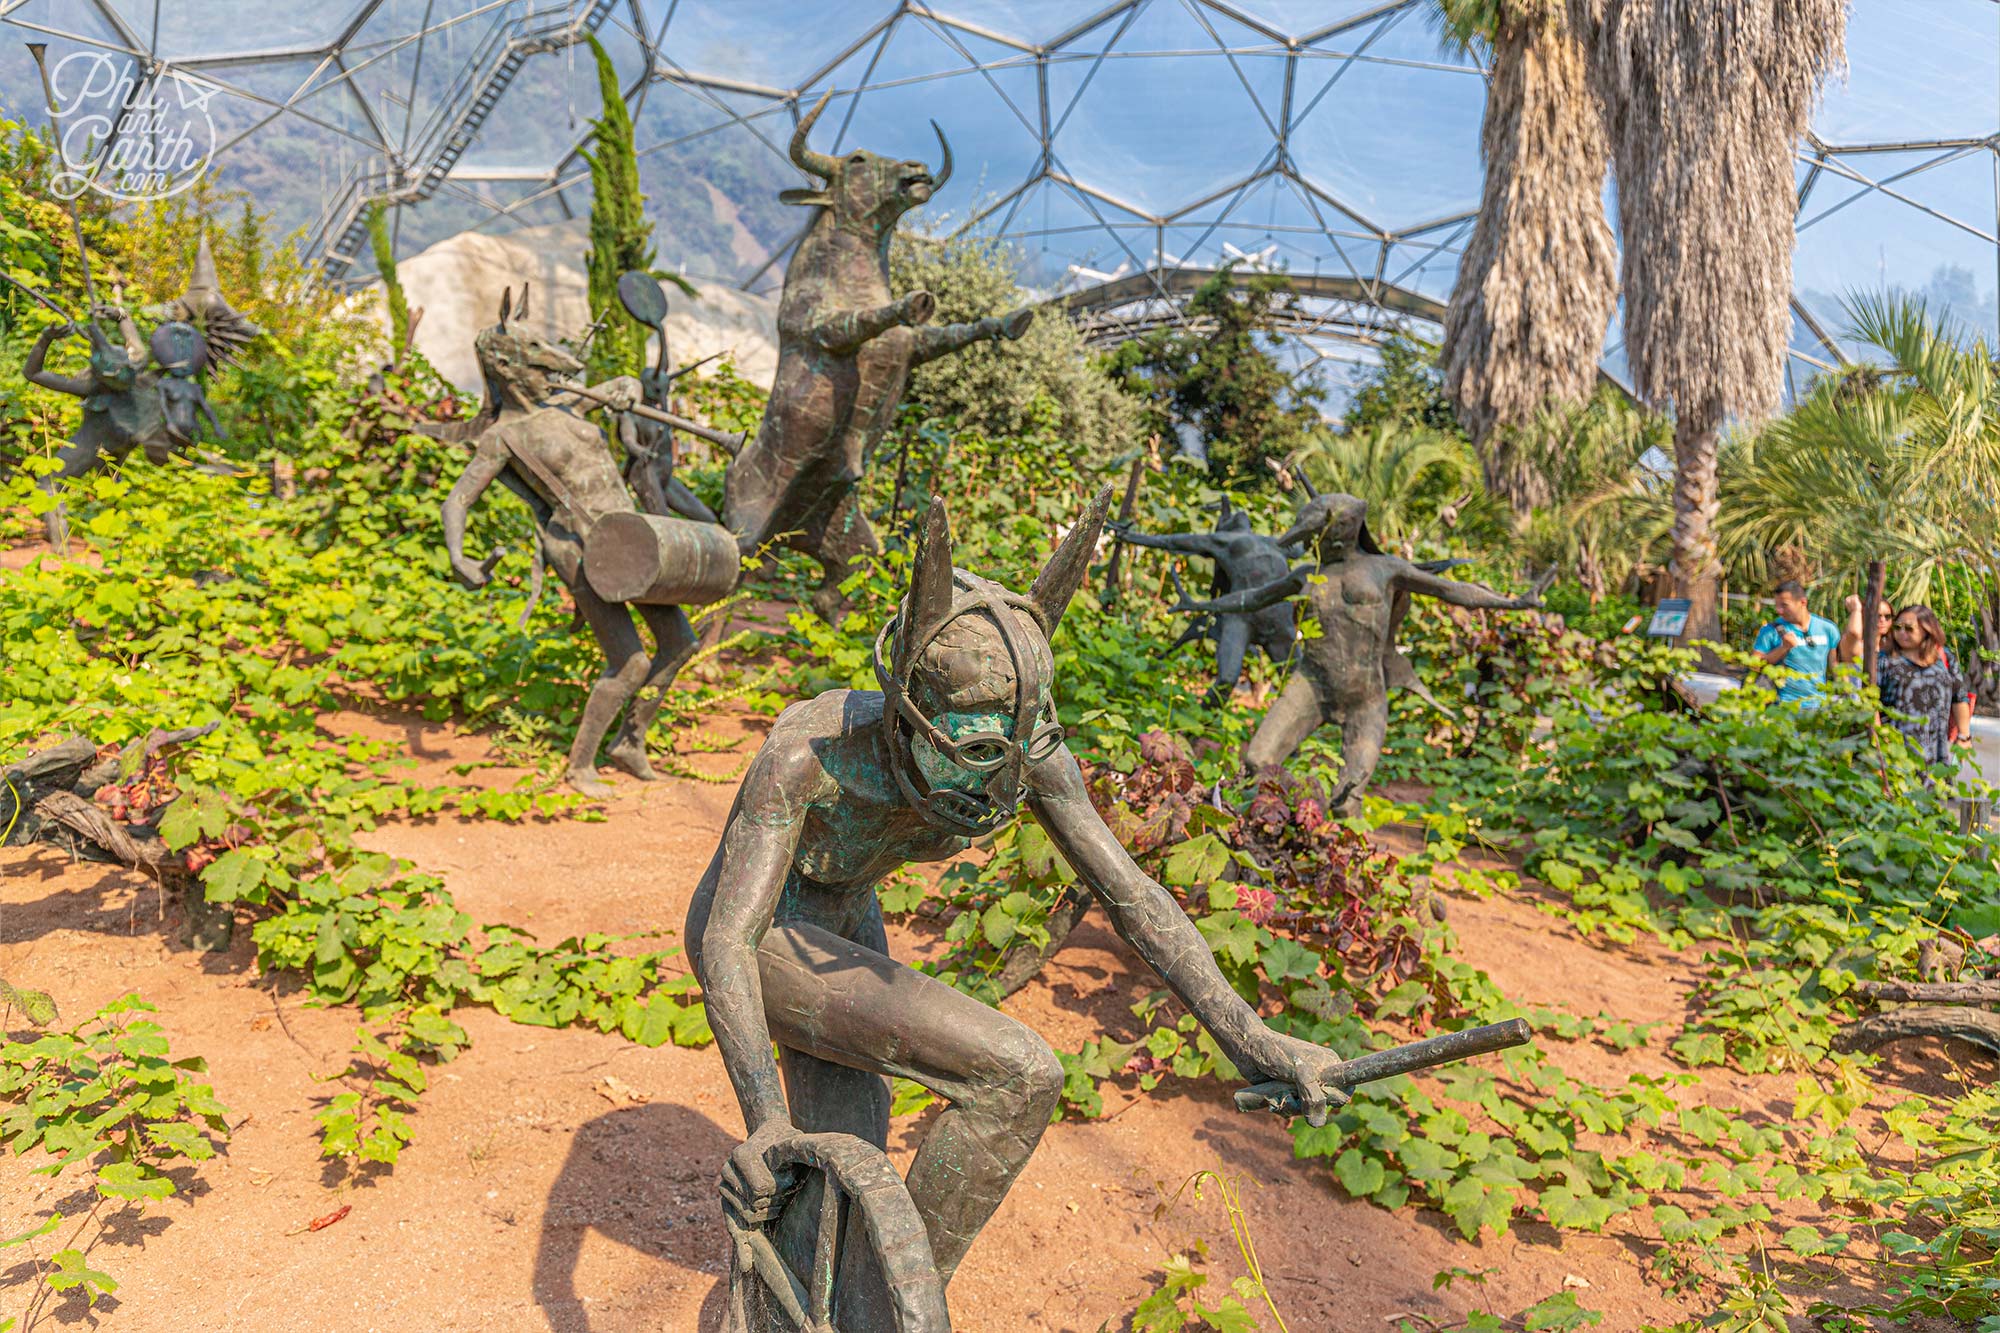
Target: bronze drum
x=655, y=561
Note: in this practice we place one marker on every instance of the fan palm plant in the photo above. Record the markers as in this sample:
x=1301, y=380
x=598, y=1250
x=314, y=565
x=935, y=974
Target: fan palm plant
x=1900, y=463
x=1609, y=506
x=1416, y=481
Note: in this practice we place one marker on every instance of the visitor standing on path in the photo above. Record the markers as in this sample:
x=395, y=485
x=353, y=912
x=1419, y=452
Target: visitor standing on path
x=1916, y=679
x=1798, y=641
x=1957, y=717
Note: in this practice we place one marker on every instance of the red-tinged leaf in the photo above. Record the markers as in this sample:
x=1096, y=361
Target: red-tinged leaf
x=322, y=1223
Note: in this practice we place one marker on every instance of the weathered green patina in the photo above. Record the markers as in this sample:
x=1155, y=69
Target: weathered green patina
x=786, y=933
x=1243, y=558
x=123, y=408
x=1359, y=596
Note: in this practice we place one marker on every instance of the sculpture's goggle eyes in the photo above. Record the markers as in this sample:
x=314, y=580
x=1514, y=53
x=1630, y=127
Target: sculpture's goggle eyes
x=988, y=751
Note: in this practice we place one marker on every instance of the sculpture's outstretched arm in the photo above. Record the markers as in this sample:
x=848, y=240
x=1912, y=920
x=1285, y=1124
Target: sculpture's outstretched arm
x=745, y=880
x=934, y=342
x=488, y=462
x=1147, y=918
x=135, y=346
x=33, y=373
x=844, y=333
x=1255, y=599
x=1183, y=543
x=1473, y=596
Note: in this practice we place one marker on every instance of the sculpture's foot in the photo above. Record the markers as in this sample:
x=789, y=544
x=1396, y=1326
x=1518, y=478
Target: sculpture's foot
x=630, y=755
x=586, y=781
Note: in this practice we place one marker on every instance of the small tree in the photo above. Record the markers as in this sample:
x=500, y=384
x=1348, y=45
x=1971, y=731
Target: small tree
x=620, y=235
x=1219, y=372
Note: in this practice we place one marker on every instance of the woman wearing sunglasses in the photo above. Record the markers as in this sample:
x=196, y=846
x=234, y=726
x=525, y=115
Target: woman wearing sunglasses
x=1922, y=693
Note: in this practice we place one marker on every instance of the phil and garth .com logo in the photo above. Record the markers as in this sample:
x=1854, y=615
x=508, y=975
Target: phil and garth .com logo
x=123, y=131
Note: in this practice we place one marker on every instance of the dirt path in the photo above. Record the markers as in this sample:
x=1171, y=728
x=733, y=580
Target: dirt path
x=537, y=1195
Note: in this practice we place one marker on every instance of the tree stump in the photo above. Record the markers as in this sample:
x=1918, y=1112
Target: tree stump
x=47, y=797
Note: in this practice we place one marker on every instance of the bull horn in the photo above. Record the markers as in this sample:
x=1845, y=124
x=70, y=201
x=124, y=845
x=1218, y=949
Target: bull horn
x=804, y=158
x=522, y=312
x=944, y=167
x=506, y=306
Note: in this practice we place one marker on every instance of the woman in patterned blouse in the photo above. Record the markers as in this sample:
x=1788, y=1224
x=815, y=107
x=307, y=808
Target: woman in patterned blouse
x=1917, y=680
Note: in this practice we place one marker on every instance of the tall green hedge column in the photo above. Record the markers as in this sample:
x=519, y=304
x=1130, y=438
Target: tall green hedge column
x=620, y=235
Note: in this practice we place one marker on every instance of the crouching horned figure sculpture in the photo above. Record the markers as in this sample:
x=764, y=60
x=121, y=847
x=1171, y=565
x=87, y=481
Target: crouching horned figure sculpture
x=845, y=351
x=1359, y=597
x=787, y=938
x=559, y=463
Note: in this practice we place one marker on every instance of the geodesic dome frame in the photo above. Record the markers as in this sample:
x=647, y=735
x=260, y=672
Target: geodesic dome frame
x=1124, y=146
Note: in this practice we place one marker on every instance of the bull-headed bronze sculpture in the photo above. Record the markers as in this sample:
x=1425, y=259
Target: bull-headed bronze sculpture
x=845, y=350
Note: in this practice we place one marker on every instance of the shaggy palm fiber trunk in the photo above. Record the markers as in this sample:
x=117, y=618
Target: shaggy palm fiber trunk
x=1534, y=292
x=1704, y=101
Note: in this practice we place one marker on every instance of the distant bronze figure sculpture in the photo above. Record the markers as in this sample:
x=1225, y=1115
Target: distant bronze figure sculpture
x=1243, y=558
x=604, y=550
x=650, y=456
x=845, y=351
x=122, y=405
x=225, y=330
x=786, y=935
x=1359, y=597
x=181, y=352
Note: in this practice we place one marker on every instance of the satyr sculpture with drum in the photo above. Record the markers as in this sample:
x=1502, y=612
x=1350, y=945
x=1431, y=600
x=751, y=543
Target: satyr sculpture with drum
x=786, y=935
x=845, y=351
x=1243, y=558
x=605, y=552
x=1359, y=597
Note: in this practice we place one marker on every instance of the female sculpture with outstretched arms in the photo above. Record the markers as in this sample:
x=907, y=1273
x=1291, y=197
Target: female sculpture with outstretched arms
x=1359, y=597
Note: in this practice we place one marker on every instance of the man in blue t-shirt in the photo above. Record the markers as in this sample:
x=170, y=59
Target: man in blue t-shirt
x=1798, y=641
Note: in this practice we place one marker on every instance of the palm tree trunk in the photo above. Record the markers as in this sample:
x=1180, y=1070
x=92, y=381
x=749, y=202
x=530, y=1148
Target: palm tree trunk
x=1527, y=315
x=1696, y=566
x=1704, y=101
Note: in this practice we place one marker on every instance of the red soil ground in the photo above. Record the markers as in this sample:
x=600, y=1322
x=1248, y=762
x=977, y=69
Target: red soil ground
x=565, y=1181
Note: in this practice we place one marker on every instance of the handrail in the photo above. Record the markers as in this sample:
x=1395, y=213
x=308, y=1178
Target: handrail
x=483, y=77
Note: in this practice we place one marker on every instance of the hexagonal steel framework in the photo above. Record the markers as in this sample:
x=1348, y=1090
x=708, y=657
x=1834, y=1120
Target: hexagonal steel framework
x=1124, y=147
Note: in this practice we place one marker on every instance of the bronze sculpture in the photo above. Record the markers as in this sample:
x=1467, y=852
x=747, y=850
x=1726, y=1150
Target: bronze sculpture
x=786, y=934
x=1359, y=597
x=122, y=405
x=181, y=353
x=604, y=551
x=225, y=330
x=1243, y=558
x=650, y=454
x=845, y=351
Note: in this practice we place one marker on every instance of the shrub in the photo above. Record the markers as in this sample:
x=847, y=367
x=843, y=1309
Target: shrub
x=1043, y=382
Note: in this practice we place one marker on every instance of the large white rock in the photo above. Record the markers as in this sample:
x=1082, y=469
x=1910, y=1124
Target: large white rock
x=457, y=283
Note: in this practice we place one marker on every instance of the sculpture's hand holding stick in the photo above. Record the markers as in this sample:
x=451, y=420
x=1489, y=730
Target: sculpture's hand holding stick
x=479, y=575
x=1334, y=1078
x=727, y=442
